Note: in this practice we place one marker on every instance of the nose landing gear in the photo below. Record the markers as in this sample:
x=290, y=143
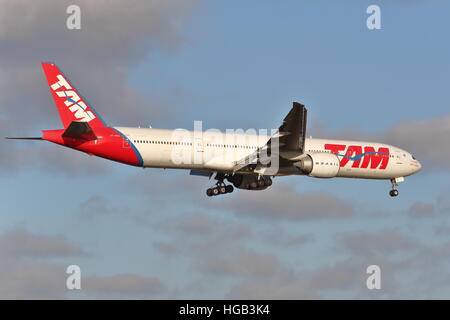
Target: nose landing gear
x=394, y=182
x=393, y=193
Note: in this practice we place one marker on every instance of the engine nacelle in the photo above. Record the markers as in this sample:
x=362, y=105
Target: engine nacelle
x=250, y=181
x=320, y=165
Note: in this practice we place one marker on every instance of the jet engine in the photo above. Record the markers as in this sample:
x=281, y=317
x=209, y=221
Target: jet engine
x=319, y=165
x=250, y=181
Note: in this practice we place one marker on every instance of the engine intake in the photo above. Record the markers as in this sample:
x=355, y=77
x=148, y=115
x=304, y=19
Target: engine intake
x=319, y=165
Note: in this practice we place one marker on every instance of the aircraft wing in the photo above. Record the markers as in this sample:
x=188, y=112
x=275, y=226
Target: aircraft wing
x=288, y=143
x=293, y=130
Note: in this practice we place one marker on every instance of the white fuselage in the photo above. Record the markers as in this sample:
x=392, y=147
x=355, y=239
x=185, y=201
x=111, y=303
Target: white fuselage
x=219, y=152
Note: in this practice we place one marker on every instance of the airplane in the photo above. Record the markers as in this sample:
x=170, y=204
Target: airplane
x=246, y=160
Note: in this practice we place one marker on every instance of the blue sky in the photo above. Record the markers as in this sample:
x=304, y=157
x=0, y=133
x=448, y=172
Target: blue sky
x=232, y=64
x=269, y=55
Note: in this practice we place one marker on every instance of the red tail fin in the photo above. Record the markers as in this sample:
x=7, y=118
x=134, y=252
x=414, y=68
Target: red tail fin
x=70, y=104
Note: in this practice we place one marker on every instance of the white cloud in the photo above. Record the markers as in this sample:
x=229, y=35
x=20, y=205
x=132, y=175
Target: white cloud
x=22, y=277
x=123, y=285
x=421, y=209
x=22, y=243
x=243, y=263
x=115, y=37
x=281, y=201
x=31, y=267
x=383, y=242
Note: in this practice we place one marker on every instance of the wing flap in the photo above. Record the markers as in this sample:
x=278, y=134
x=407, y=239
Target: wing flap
x=200, y=173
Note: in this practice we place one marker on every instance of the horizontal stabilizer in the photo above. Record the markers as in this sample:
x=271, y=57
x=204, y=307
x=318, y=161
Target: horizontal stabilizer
x=24, y=138
x=79, y=130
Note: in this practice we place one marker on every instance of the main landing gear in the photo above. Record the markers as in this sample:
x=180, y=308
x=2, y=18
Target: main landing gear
x=220, y=188
x=394, y=182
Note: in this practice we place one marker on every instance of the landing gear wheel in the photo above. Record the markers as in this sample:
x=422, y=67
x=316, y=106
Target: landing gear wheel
x=229, y=188
x=220, y=188
x=394, y=183
x=261, y=183
x=268, y=182
x=393, y=193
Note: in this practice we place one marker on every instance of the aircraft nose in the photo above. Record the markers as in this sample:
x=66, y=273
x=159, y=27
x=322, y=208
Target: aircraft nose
x=418, y=166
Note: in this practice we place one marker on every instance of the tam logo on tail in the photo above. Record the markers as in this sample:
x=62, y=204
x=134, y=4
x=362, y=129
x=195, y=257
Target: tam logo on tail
x=71, y=105
x=79, y=109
